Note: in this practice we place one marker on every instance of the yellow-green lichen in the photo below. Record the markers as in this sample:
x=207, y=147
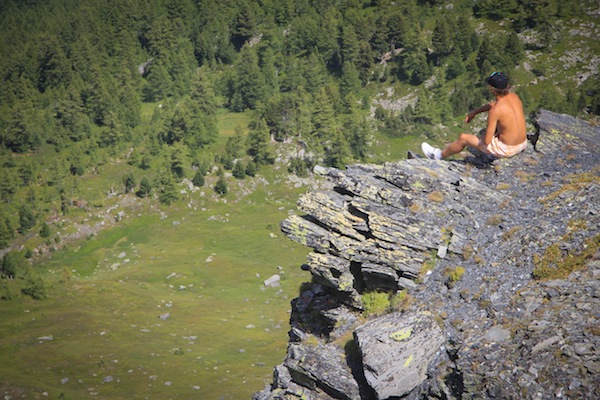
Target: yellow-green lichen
x=401, y=335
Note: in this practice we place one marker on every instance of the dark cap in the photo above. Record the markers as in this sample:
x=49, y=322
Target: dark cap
x=498, y=80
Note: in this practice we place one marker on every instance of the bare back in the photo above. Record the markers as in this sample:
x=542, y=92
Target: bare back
x=506, y=119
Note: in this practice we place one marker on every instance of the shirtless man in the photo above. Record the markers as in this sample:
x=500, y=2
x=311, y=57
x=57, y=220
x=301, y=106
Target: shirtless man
x=505, y=135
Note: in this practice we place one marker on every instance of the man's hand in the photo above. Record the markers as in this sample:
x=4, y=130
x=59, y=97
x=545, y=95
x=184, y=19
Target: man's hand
x=473, y=113
x=470, y=117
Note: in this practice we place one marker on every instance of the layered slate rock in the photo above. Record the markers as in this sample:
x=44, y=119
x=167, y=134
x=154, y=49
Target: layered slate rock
x=468, y=242
x=384, y=221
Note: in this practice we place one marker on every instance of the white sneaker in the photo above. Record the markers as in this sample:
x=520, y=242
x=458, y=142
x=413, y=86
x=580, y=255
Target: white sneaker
x=431, y=152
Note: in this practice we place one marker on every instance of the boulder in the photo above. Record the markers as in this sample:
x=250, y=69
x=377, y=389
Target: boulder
x=319, y=367
x=396, y=350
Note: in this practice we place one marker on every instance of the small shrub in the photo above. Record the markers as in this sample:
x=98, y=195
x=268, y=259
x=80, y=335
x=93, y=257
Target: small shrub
x=427, y=266
x=375, y=303
x=510, y=233
x=34, y=286
x=453, y=275
x=468, y=252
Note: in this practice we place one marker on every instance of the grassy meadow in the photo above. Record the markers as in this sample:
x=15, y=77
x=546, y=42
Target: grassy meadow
x=168, y=303
x=99, y=333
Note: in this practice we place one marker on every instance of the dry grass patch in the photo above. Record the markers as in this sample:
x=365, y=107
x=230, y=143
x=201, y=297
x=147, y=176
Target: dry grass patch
x=555, y=263
x=523, y=176
x=494, y=219
x=436, y=196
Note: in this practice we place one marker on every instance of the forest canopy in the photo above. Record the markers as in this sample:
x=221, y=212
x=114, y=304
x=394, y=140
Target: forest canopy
x=75, y=76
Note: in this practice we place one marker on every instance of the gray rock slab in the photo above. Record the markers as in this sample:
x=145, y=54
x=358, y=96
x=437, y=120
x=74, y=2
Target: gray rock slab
x=396, y=350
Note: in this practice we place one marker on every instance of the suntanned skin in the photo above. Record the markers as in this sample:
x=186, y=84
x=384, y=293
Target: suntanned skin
x=506, y=119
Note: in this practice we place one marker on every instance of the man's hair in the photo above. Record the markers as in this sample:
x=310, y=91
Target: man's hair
x=500, y=92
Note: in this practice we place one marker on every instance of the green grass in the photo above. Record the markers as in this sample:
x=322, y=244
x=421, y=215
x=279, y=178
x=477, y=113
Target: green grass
x=227, y=122
x=104, y=319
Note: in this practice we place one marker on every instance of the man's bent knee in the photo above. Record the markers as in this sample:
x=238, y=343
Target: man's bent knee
x=468, y=140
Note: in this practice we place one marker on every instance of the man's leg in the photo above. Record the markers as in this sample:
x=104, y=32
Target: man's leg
x=464, y=140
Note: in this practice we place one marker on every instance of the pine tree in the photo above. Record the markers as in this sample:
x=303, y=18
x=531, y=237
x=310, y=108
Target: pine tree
x=350, y=82
x=465, y=37
x=413, y=60
x=129, y=182
x=9, y=185
x=324, y=115
x=350, y=49
x=221, y=186
x=251, y=168
x=168, y=192
x=45, y=231
x=26, y=219
x=258, y=143
x=198, y=179
x=145, y=162
x=441, y=40
x=234, y=144
x=239, y=171
x=6, y=231
x=10, y=265
x=145, y=188
x=336, y=150
x=179, y=157
x=514, y=49
x=249, y=82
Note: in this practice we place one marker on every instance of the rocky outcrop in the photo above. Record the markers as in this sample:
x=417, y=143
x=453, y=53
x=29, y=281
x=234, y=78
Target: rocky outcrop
x=489, y=272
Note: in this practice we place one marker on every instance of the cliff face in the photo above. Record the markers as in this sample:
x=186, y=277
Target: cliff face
x=492, y=269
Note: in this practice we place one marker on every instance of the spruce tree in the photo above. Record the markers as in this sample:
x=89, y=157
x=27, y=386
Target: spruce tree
x=45, y=231
x=6, y=232
x=129, y=182
x=251, y=168
x=26, y=219
x=441, y=40
x=168, y=192
x=10, y=264
x=239, y=171
x=198, y=179
x=145, y=188
x=221, y=186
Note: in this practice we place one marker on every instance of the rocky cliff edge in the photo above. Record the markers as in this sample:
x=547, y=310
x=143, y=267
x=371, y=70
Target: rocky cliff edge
x=461, y=279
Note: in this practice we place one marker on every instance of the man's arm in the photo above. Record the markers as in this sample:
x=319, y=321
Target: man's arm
x=476, y=111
